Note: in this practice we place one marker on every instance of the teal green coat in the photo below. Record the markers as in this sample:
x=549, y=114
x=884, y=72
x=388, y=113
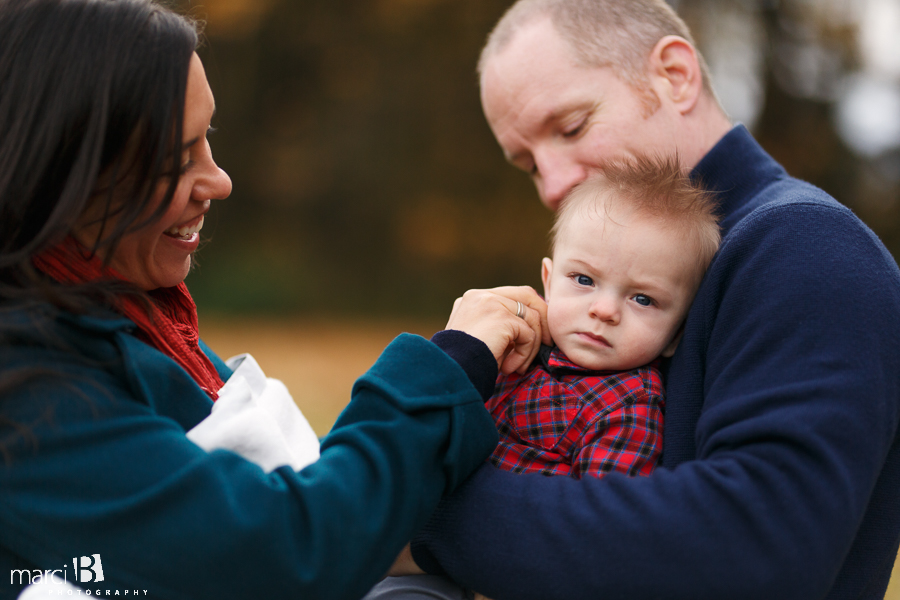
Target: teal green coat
x=103, y=467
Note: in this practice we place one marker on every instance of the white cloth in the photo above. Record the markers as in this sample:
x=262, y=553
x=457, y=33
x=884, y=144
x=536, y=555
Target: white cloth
x=256, y=417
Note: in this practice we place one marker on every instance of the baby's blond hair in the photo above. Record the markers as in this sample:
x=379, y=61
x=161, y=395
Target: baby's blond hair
x=655, y=188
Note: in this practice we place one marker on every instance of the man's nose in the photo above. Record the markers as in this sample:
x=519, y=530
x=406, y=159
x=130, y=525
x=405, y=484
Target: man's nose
x=555, y=179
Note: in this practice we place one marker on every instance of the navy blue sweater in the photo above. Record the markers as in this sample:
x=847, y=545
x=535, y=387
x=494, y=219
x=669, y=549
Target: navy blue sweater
x=780, y=475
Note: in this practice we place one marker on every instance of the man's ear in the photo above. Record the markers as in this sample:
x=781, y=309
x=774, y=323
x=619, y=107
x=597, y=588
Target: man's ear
x=675, y=69
x=546, y=272
x=669, y=350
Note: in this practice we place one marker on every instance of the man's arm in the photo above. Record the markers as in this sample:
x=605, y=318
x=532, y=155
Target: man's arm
x=799, y=416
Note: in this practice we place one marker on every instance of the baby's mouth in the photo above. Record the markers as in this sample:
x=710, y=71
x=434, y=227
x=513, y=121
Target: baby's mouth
x=598, y=339
x=184, y=232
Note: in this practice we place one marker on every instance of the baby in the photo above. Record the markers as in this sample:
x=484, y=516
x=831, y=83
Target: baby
x=629, y=249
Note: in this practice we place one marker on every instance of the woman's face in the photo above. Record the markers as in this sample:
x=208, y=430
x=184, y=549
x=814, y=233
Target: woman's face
x=159, y=254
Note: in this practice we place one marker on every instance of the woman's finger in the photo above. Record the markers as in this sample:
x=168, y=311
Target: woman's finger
x=524, y=347
x=537, y=320
x=533, y=301
x=525, y=332
x=503, y=319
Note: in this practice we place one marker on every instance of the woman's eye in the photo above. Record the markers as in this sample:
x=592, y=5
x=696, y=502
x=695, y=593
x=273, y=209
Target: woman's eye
x=643, y=300
x=584, y=280
x=186, y=162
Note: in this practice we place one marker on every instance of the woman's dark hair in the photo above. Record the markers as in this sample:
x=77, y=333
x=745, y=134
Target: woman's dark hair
x=92, y=99
x=90, y=91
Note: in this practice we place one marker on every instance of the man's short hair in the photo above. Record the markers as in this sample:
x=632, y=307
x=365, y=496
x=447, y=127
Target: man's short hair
x=647, y=187
x=602, y=33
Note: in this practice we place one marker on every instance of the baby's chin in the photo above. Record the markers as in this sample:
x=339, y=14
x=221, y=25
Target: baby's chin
x=600, y=359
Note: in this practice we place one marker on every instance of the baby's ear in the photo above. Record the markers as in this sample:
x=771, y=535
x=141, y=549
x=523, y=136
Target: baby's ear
x=546, y=273
x=669, y=350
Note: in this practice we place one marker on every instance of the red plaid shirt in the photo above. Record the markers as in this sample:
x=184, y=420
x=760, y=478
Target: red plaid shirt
x=562, y=419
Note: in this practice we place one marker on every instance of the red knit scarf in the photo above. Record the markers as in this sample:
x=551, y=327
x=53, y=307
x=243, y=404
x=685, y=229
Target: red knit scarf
x=171, y=326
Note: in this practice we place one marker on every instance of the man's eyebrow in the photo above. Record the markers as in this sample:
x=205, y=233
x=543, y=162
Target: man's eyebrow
x=563, y=111
x=555, y=115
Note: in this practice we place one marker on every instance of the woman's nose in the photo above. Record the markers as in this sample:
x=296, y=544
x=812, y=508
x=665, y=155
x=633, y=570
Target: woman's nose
x=213, y=183
x=220, y=185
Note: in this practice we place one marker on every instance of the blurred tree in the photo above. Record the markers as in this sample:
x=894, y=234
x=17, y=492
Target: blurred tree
x=367, y=182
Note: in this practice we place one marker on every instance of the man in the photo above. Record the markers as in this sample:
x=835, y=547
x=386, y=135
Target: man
x=780, y=475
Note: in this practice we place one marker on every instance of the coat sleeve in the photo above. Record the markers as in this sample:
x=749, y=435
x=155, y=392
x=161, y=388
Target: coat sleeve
x=98, y=472
x=797, y=425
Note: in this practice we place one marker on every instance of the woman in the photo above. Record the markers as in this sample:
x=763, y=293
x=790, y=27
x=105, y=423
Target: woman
x=105, y=178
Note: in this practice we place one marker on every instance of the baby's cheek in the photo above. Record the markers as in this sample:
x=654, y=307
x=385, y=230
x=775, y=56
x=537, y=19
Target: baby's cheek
x=555, y=320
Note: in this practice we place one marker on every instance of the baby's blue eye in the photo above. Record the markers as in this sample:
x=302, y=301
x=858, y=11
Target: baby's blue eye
x=643, y=300
x=584, y=280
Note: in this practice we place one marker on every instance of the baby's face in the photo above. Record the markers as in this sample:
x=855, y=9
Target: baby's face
x=617, y=290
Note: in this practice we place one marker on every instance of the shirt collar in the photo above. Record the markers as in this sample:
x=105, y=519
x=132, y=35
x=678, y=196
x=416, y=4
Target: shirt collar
x=555, y=362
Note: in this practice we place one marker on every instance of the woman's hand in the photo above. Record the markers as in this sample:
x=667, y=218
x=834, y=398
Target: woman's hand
x=490, y=316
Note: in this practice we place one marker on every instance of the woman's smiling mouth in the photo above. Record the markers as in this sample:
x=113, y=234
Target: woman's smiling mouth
x=187, y=231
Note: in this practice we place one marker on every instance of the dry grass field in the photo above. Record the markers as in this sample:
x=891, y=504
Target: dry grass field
x=319, y=360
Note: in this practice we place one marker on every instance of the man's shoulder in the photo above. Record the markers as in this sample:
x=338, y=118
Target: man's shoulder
x=785, y=193
x=754, y=191
x=798, y=257
x=790, y=215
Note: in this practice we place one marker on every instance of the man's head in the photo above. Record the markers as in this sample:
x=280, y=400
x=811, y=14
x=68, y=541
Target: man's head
x=569, y=84
x=630, y=247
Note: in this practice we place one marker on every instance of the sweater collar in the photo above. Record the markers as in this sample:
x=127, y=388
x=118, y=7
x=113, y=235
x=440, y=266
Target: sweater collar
x=736, y=169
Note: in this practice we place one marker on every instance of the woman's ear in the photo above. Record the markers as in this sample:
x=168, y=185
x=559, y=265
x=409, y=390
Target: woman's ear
x=546, y=273
x=675, y=69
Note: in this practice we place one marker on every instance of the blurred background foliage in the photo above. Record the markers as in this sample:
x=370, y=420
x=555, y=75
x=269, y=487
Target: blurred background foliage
x=367, y=183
